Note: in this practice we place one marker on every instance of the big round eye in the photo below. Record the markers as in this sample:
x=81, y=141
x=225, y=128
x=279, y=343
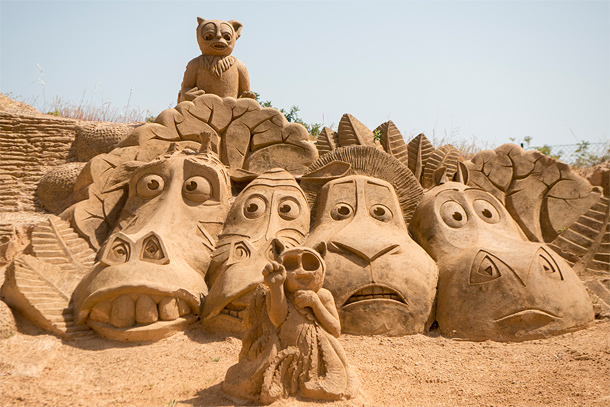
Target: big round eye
x=197, y=189
x=150, y=185
x=227, y=37
x=208, y=36
x=288, y=209
x=254, y=207
x=381, y=213
x=341, y=211
x=486, y=211
x=453, y=214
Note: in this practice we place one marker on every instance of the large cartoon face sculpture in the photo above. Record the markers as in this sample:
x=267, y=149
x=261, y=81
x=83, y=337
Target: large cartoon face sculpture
x=272, y=207
x=382, y=281
x=493, y=283
x=150, y=275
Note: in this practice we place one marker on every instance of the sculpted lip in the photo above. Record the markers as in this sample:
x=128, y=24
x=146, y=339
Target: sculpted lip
x=375, y=292
x=527, y=312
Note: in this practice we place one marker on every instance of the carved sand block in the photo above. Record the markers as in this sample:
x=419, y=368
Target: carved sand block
x=542, y=194
x=272, y=207
x=493, y=282
x=149, y=280
x=216, y=71
x=290, y=347
x=253, y=139
x=40, y=280
x=383, y=282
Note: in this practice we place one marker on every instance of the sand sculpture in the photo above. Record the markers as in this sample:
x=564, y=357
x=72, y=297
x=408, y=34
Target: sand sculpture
x=383, y=283
x=150, y=275
x=216, y=71
x=290, y=346
x=493, y=282
x=243, y=184
x=271, y=209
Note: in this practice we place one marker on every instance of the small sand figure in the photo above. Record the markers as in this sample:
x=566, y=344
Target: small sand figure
x=290, y=346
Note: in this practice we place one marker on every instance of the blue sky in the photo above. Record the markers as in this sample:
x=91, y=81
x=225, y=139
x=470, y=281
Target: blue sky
x=493, y=70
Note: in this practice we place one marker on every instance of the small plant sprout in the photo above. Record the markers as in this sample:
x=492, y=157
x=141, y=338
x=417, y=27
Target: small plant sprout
x=377, y=135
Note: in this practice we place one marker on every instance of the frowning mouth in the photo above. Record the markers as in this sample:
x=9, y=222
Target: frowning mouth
x=375, y=292
x=533, y=318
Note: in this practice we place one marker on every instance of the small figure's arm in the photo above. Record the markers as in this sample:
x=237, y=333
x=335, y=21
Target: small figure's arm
x=189, y=90
x=243, y=89
x=274, y=275
x=323, y=305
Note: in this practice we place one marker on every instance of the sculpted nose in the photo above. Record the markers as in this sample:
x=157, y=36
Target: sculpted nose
x=364, y=239
x=122, y=249
x=118, y=250
x=153, y=250
x=544, y=263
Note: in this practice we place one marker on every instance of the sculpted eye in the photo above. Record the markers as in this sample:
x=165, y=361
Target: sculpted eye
x=342, y=211
x=197, y=189
x=241, y=251
x=254, y=207
x=381, y=213
x=288, y=209
x=227, y=37
x=453, y=214
x=208, y=36
x=486, y=211
x=150, y=185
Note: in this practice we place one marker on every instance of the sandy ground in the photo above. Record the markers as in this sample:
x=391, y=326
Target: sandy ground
x=187, y=369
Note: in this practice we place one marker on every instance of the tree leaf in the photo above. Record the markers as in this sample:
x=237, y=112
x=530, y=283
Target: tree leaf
x=445, y=156
x=420, y=149
x=353, y=132
x=393, y=143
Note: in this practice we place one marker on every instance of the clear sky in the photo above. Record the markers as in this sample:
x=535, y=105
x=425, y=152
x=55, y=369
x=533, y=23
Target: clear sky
x=494, y=70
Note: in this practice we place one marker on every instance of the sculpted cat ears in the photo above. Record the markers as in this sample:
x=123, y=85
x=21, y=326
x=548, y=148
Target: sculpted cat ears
x=237, y=26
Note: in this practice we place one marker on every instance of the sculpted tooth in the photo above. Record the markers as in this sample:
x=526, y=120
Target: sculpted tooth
x=101, y=311
x=183, y=307
x=122, y=314
x=146, y=310
x=366, y=291
x=168, y=309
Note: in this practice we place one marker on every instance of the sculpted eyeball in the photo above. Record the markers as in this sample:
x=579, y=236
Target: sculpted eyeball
x=150, y=185
x=341, y=211
x=289, y=209
x=255, y=207
x=453, y=214
x=486, y=211
x=197, y=189
x=381, y=213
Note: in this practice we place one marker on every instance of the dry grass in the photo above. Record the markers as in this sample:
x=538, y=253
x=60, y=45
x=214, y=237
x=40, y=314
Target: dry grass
x=92, y=112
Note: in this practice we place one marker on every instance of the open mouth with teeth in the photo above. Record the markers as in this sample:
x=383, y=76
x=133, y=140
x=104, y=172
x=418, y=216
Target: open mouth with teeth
x=375, y=292
x=234, y=311
x=141, y=316
x=219, y=45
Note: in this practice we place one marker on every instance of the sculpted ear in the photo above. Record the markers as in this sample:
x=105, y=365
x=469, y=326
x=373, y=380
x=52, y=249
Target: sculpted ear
x=200, y=20
x=237, y=27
